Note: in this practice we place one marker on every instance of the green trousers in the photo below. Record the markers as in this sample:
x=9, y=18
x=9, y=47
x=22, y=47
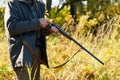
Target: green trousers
x=23, y=73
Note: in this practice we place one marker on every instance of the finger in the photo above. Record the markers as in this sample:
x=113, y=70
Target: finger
x=47, y=20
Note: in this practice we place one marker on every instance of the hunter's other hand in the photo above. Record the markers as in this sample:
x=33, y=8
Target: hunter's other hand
x=43, y=22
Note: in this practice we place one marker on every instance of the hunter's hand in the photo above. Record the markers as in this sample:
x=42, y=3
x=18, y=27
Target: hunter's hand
x=43, y=22
x=54, y=29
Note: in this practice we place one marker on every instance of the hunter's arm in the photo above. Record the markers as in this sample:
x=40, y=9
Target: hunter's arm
x=14, y=25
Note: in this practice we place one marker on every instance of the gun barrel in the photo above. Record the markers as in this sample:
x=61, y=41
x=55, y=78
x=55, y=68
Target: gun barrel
x=69, y=37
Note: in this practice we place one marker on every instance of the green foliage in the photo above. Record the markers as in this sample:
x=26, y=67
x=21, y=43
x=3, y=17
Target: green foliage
x=1, y=19
x=111, y=10
x=62, y=17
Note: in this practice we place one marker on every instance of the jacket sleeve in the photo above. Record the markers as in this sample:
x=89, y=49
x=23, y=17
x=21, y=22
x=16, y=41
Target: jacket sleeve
x=46, y=30
x=14, y=25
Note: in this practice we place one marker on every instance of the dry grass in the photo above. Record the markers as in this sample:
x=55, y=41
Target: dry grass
x=106, y=46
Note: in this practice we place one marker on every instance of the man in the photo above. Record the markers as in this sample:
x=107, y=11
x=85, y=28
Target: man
x=26, y=18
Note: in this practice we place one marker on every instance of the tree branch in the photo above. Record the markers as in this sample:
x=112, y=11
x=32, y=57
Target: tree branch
x=67, y=3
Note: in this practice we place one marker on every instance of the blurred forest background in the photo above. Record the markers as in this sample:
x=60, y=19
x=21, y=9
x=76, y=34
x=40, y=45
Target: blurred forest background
x=94, y=23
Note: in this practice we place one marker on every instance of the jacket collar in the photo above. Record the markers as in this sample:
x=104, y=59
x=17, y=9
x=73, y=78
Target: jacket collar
x=27, y=1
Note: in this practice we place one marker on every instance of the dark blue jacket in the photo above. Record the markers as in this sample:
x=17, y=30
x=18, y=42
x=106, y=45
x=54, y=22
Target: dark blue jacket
x=21, y=19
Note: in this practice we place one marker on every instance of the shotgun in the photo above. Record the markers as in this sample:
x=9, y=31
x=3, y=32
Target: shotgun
x=69, y=37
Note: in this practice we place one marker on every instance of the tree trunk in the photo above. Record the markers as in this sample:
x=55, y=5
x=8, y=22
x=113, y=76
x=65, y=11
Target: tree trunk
x=48, y=5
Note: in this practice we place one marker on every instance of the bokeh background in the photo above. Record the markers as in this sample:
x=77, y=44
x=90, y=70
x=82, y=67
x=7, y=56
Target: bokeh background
x=93, y=23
